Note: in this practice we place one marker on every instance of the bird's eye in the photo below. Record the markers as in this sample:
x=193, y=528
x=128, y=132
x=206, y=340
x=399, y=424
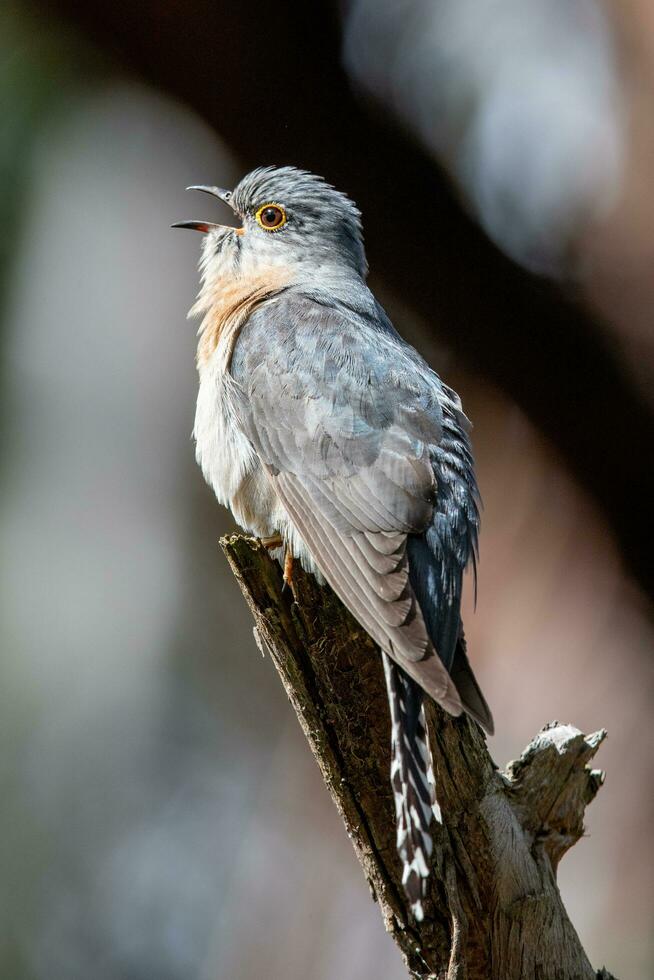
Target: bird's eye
x=272, y=217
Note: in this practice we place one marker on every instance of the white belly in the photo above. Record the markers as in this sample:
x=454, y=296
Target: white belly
x=228, y=462
x=232, y=468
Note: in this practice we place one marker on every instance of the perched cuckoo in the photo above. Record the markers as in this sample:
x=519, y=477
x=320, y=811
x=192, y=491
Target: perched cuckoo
x=331, y=439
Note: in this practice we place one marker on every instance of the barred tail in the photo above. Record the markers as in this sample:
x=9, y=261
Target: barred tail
x=412, y=780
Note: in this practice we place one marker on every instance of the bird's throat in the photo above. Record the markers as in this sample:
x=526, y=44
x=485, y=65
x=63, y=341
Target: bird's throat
x=228, y=303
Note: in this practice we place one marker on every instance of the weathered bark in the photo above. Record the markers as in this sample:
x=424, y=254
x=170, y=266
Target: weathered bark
x=494, y=911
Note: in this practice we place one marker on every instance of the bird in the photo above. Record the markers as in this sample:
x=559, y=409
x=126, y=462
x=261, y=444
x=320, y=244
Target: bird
x=331, y=439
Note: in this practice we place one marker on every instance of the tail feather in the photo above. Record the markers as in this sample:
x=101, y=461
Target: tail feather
x=472, y=699
x=412, y=780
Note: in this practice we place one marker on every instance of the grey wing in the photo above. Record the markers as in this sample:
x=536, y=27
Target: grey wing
x=346, y=420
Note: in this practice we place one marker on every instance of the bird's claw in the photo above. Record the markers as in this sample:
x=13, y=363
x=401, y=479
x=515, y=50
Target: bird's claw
x=272, y=542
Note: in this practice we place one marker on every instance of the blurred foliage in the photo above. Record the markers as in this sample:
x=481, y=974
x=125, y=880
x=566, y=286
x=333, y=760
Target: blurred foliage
x=40, y=64
x=39, y=67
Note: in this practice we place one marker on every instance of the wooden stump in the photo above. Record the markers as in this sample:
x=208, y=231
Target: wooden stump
x=494, y=911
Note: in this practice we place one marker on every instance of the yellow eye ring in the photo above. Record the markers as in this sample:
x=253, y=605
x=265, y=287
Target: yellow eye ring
x=271, y=216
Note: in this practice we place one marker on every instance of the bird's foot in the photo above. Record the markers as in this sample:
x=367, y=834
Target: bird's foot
x=273, y=542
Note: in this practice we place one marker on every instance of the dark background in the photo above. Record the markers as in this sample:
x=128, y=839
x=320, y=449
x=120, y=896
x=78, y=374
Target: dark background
x=161, y=814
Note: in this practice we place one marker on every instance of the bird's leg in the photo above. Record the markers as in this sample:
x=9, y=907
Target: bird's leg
x=274, y=541
x=288, y=567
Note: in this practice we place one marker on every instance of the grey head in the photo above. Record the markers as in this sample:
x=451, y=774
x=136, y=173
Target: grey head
x=288, y=216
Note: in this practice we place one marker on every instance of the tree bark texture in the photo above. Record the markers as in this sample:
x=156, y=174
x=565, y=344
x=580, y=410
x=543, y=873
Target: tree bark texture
x=493, y=911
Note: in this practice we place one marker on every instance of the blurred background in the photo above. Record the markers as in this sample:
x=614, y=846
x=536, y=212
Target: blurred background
x=161, y=816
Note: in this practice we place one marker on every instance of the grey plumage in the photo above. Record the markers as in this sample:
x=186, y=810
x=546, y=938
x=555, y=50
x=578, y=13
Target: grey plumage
x=325, y=223
x=366, y=449
x=346, y=440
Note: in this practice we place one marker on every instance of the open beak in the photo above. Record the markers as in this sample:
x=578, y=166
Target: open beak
x=206, y=226
x=203, y=226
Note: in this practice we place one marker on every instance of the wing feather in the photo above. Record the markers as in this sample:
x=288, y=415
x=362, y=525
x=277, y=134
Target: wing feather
x=397, y=625
x=346, y=419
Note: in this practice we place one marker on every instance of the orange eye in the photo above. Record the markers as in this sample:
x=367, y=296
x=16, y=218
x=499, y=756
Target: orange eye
x=271, y=217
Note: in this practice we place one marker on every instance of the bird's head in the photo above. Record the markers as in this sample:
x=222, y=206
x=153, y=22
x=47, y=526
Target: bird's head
x=288, y=218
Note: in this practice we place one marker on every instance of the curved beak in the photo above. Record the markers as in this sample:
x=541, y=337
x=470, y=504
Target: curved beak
x=206, y=226
x=222, y=195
